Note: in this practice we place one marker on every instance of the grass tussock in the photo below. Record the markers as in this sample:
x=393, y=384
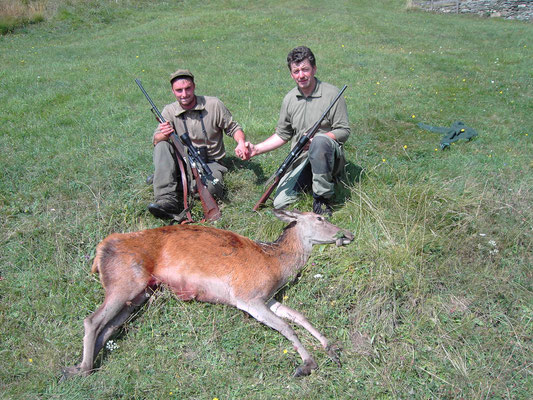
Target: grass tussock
x=15, y=14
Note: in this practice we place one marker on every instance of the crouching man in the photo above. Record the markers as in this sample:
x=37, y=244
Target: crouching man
x=205, y=119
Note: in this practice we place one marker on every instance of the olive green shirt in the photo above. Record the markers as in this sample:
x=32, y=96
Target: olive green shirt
x=217, y=120
x=299, y=113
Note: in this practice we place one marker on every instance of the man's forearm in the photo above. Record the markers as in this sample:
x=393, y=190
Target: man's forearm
x=239, y=136
x=159, y=137
x=272, y=143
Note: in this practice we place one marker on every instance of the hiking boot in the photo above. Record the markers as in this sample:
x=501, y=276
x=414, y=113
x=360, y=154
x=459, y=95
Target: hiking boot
x=321, y=206
x=164, y=210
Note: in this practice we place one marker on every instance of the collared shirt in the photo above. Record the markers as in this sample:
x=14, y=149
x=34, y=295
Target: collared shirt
x=216, y=119
x=299, y=113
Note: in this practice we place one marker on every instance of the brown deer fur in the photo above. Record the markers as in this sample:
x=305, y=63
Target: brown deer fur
x=209, y=265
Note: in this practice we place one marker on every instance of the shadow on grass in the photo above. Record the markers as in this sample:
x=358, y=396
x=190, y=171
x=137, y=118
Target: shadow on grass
x=235, y=163
x=352, y=174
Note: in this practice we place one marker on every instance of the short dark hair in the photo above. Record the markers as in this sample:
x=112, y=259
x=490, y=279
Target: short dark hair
x=299, y=54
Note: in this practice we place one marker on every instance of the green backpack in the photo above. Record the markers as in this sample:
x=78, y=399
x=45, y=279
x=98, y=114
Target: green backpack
x=457, y=131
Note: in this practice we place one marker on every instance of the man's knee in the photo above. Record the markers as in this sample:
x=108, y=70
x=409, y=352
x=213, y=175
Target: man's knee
x=164, y=159
x=321, y=143
x=162, y=148
x=282, y=200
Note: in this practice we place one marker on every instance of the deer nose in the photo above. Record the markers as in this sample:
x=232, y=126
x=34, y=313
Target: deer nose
x=345, y=237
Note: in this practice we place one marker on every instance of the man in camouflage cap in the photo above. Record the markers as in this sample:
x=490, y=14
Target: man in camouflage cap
x=205, y=119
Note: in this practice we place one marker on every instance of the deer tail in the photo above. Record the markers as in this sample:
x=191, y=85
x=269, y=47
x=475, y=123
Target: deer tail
x=96, y=265
x=97, y=258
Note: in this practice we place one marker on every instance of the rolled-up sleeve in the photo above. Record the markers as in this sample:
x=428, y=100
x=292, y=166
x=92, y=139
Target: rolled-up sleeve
x=226, y=121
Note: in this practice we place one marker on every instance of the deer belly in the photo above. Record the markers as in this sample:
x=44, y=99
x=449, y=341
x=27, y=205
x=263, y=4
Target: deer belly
x=185, y=292
x=200, y=290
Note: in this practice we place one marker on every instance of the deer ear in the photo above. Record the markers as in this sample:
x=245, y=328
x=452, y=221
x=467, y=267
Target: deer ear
x=287, y=216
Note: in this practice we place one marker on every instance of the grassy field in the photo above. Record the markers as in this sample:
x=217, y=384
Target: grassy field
x=432, y=300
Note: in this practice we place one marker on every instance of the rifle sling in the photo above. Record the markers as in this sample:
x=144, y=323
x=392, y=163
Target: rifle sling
x=211, y=210
x=184, y=184
x=204, y=132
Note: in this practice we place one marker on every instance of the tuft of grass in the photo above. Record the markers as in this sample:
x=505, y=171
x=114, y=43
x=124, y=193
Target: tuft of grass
x=16, y=14
x=64, y=14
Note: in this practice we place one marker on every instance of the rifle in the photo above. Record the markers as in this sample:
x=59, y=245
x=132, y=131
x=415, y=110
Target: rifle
x=209, y=204
x=295, y=152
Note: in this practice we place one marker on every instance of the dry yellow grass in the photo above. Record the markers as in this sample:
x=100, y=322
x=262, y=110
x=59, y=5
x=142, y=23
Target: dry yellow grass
x=22, y=9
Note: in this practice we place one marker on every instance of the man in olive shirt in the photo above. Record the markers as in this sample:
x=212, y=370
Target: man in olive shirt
x=205, y=119
x=322, y=162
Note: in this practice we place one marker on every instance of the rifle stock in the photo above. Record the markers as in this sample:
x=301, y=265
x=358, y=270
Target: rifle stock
x=296, y=151
x=267, y=193
x=209, y=204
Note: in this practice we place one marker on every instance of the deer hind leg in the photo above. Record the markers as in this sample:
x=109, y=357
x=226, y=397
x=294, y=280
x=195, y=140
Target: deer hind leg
x=286, y=312
x=99, y=326
x=263, y=314
x=121, y=317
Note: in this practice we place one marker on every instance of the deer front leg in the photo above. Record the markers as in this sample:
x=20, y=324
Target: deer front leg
x=286, y=312
x=263, y=314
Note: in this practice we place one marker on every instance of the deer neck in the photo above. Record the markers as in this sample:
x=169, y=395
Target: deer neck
x=291, y=249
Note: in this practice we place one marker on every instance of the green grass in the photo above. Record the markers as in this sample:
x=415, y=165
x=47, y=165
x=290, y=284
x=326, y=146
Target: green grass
x=432, y=300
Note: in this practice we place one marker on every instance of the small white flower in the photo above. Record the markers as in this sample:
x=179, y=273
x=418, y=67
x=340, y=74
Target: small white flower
x=318, y=276
x=493, y=251
x=110, y=345
x=482, y=234
x=492, y=243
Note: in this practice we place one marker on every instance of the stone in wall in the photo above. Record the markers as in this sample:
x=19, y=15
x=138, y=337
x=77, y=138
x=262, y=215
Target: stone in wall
x=521, y=10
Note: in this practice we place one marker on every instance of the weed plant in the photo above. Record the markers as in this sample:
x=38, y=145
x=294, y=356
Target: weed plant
x=432, y=300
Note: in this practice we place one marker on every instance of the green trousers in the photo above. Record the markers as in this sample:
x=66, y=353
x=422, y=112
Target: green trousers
x=167, y=179
x=319, y=170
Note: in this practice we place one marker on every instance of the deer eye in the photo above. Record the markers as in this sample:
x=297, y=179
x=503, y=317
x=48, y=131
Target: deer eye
x=320, y=219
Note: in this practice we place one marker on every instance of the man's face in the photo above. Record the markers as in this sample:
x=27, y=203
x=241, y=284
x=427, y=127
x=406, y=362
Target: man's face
x=183, y=89
x=304, y=75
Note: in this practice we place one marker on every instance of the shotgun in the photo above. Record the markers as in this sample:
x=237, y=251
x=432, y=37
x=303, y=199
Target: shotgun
x=295, y=152
x=209, y=204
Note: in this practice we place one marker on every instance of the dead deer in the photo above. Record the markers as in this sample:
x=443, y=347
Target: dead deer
x=209, y=265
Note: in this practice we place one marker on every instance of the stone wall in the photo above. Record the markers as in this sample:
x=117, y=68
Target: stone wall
x=521, y=10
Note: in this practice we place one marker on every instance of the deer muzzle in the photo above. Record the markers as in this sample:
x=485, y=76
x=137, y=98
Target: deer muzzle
x=344, y=237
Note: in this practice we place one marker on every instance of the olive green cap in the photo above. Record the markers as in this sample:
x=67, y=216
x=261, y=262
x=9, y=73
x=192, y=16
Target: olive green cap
x=185, y=73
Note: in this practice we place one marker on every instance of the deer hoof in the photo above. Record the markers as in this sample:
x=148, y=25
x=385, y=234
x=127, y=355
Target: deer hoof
x=72, y=371
x=333, y=353
x=305, y=369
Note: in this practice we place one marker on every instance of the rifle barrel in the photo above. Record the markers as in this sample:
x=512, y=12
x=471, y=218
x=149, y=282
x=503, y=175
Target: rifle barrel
x=154, y=107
